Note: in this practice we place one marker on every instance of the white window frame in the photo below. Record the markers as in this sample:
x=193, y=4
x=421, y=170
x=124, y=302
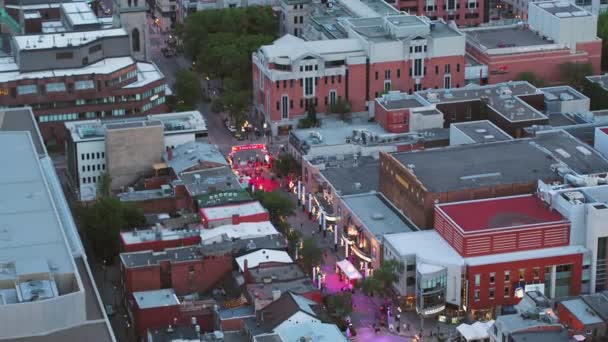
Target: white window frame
x=285, y=107
x=333, y=98
x=447, y=82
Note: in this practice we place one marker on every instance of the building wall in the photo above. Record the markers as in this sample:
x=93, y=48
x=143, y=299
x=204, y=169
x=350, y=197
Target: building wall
x=576, y=326
x=206, y=274
x=90, y=163
x=159, y=245
x=513, y=267
x=131, y=152
x=144, y=278
x=501, y=241
x=462, y=15
x=159, y=317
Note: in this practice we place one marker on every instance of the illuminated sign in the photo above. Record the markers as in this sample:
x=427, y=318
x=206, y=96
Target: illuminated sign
x=3, y=92
x=431, y=311
x=248, y=147
x=402, y=181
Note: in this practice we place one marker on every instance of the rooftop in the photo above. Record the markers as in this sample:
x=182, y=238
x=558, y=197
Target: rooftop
x=259, y=257
x=398, y=100
x=506, y=37
x=285, y=307
x=506, y=162
x=562, y=9
x=583, y=312
x=504, y=98
x=155, y=298
x=266, y=291
x=315, y=332
x=181, y=122
x=227, y=211
x=245, y=230
x=348, y=178
x=333, y=132
x=483, y=131
x=277, y=273
x=22, y=119
x=378, y=215
x=562, y=93
x=192, y=154
x=510, y=324
x=146, y=74
x=216, y=181
x=79, y=13
x=64, y=39
x=291, y=48
x=498, y=213
x=147, y=235
x=598, y=302
x=428, y=247
x=191, y=253
x=542, y=336
x=222, y=198
x=601, y=80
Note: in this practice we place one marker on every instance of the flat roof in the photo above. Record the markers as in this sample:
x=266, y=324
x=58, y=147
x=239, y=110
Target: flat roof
x=9, y=71
x=427, y=245
x=562, y=93
x=191, y=154
x=147, y=235
x=482, y=131
x=146, y=74
x=601, y=80
x=583, y=312
x=334, y=132
x=227, y=211
x=180, y=122
x=64, y=39
x=95, y=330
x=181, y=254
x=277, y=273
x=155, y=298
x=215, y=181
x=29, y=221
x=22, y=119
x=505, y=37
x=378, y=214
x=348, y=178
x=503, y=98
x=502, y=212
x=79, y=13
x=244, y=230
x=505, y=162
x=560, y=335
x=562, y=9
x=398, y=100
x=255, y=259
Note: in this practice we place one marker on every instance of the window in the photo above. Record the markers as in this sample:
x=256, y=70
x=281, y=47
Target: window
x=135, y=44
x=278, y=105
x=118, y=112
x=95, y=48
x=301, y=19
x=398, y=73
x=536, y=272
x=308, y=87
x=26, y=89
x=418, y=67
x=86, y=84
x=285, y=84
x=477, y=279
x=447, y=69
x=436, y=69
x=64, y=55
x=418, y=87
x=387, y=86
x=476, y=295
x=295, y=32
x=405, y=120
x=491, y=293
x=295, y=20
x=492, y=277
x=83, y=168
x=332, y=98
x=410, y=281
x=333, y=79
x=387, y=74
x=522, y=274
x=458, y=67
x=410, y=267
x=55, y=87
x=103, y=154
x=290, y=83
x=325, y=79
x=290, y=104
x=285, y=112
x=507, y=291
x=376, y=75
x=278, y=84
x=339, y=78
x=447, y=82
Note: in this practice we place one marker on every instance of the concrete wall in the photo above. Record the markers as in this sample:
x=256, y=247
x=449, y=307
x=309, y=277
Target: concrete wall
x=601, y=141
x=32, y=60
x=131, y=152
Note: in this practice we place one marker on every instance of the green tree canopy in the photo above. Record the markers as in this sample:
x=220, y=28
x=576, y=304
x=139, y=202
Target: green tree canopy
x=531, y=77
x=188, y=88
x=103, y=221
x=339, y=305
x=277, y=203
x=311, y=254
x=104, y=186
x=285, y=164
x=342, y=108
x=602, y=32
x=382, y=278
x=574, y=74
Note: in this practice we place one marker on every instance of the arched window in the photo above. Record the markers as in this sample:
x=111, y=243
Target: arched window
x=135, y=39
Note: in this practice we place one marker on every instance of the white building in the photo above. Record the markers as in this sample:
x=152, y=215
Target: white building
x=87, y=148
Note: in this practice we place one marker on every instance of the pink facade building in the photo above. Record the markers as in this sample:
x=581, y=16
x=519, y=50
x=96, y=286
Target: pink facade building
x=375, y=55
x=463, y=12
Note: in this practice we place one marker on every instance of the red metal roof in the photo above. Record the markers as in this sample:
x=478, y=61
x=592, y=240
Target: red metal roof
x=500, y=213
x=605, y=130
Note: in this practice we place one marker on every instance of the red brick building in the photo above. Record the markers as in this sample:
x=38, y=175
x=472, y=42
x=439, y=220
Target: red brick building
x=377, y=55
x=158, y=239
x=212, y=217
x=463, y=12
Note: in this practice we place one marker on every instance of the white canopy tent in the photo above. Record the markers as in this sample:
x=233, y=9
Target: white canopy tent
x=349, y=270
x=477, y=331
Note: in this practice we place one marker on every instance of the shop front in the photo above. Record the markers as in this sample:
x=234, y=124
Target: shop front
x=357, y=248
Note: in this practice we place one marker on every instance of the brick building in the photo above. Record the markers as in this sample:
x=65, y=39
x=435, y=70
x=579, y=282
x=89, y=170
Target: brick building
x=252, y=212
x=373, y=51
x=556, y=32
x=416, y=181
x=82, y=69
x=158, y=239
x=483, y=262
x=463, y=12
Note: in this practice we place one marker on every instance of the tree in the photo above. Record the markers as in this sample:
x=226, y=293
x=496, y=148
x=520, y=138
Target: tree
x=104, y=186
x=188, y=88
x=342, y=108
x=382, y=278
x=285, y=164
x=339, y=305
x=311, y=254
x=277, y=203
x=311, y=114
x=369, y=286
x=574, y=74
x=103, y=221
x=531, y=77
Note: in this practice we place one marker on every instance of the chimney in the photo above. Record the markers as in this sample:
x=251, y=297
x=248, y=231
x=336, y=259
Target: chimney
x=170, y=154
x=236, y=219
